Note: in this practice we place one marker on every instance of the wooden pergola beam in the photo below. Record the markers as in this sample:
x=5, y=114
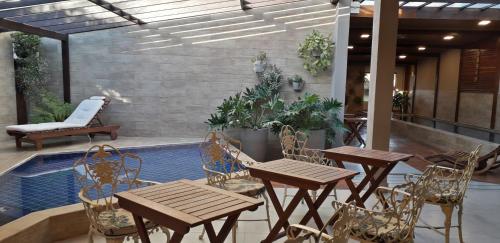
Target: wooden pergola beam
x=15, y=26
x=110, y=7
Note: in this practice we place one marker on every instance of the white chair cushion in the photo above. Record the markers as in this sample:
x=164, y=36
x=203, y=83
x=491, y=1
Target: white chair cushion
x=85, y=111
x=97, y=98
x=42, y=127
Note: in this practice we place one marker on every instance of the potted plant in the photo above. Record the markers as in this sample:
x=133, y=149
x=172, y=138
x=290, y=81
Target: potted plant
x=401, y=102
x=317, y=52
x=318, y=118
x=247, y=112
x=260, y=62
x=297, y=82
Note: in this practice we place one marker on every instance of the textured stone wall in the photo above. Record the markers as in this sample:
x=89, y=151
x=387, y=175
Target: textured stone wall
x=166, y=78
x=448, y=85
x=424, y=92
x=7, y=86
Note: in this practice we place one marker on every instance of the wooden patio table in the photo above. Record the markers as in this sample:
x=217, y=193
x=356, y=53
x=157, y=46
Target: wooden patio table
x=305, y=176
x=355, y=124
x=183, y=204
x=377, y=165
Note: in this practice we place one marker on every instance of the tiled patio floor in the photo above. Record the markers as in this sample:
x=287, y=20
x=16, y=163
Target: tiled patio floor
x=481, y=220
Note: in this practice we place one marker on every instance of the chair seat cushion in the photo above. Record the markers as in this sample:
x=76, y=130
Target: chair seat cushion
x=379, y=228
x=40, y=127
x=119, y=222
x=247, y=187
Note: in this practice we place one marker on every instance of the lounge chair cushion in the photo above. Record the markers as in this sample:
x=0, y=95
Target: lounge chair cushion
x=85, y=112
x=27, y=128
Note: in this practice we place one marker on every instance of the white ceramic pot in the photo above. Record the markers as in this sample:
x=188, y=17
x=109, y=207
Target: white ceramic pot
x=254, y=143
x=259, y=66
x=297, y=86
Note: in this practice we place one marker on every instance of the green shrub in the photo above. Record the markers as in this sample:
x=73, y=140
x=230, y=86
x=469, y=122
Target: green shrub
x=50, y=109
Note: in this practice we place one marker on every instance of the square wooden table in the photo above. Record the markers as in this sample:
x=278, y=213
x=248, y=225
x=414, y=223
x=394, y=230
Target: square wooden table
x=183, y=204
x=377, y=165
x=355, y=124
x=305, y=176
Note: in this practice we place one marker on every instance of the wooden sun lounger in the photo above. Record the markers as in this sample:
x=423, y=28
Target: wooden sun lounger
x=458, y=159
x=94, y=127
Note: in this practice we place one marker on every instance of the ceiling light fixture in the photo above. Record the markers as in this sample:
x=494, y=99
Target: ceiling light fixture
x=402, y=56
x=365, y=36
x=484, y=22
x=350, y=47
x=448, y=37
x=422, y=48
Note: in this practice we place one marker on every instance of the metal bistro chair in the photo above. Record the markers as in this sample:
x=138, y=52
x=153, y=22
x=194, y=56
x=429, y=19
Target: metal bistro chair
x=293, y=146
x=447, y=190
x=342, y=221
x=101, y=172
x=392, y=219
x=219, y=156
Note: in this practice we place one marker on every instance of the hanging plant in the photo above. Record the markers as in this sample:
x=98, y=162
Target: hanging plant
x=317, y=52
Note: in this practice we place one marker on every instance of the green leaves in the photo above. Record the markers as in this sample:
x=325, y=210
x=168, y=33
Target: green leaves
x=317, y=52
x=50, y=109
x=252, y=108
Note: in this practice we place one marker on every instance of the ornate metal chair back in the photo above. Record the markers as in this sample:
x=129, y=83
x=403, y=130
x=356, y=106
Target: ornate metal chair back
x=403, y=205
x=219, y=156
x=464, y=178
x=292, y=142
x=104, y=170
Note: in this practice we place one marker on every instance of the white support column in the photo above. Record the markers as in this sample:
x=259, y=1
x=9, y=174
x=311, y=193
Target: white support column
x=339, y=64
x=382, y=67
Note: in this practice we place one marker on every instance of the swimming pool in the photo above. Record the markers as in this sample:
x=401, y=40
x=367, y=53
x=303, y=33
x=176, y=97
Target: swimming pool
x=48, y=181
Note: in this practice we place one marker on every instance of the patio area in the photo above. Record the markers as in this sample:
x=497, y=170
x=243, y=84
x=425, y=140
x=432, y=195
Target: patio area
x=249, y=121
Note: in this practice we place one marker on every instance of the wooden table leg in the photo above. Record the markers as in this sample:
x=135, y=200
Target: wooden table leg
x=282, y=215
x=373, y=186
x=176, y=238
x=141, y=228
x=224, y=232
x=355, y=191
x=315, y=206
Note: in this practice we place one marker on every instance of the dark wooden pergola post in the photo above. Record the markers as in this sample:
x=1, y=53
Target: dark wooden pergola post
x=66, y=70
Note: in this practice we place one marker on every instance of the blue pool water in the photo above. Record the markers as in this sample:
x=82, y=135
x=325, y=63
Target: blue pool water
x=48, y=181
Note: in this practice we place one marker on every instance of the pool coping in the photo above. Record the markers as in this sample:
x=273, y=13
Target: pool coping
x=64, y=222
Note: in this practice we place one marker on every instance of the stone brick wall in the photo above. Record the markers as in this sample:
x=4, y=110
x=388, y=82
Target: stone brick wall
x=7, y=86
x=166, y=78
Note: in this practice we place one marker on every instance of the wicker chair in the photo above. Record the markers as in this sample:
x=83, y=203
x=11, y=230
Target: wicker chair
x=447, y=190
x=293, y=146
x=392, y=219
x=102, y=172
x=223, y=169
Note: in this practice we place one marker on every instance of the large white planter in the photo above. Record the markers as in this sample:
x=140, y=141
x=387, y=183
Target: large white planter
x=317, y=139
x=254, y=143
x=233, y=133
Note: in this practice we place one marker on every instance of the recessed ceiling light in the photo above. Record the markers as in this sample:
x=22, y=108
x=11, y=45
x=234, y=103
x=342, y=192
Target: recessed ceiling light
x=402, y=56
x=350, y=47
x=365, y=36
x=448, y=37
x=484, y=22
x=422, y=48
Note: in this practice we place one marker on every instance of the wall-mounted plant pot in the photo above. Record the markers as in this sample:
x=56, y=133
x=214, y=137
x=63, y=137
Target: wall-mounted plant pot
x=259, y=66
x=316, y=54
x=297, y=86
